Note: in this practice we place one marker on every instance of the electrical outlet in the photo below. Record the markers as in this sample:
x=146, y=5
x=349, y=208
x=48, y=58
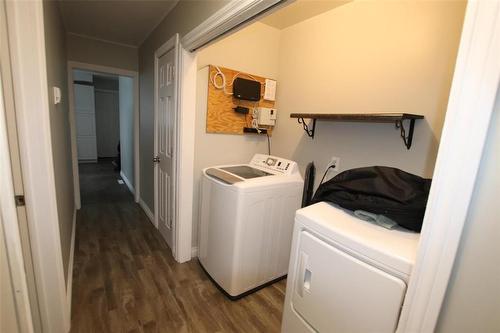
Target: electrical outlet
x=334, y=161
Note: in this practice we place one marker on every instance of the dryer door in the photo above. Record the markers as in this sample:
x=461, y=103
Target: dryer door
x=335, y=292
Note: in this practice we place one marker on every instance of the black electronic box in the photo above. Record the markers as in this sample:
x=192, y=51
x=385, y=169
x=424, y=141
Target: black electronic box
x=246, y=89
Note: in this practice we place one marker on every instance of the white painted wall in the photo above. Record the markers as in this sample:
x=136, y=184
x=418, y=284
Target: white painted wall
x=253, y=50
x=362, y=57
x=472, y=301
x=126, y=96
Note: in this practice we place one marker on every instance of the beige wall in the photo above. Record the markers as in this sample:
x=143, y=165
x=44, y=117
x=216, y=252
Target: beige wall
x=362, y=57
x=96, y=52
x=59, y=124
x=253, y=50
x=472, y=302
x=183, y=18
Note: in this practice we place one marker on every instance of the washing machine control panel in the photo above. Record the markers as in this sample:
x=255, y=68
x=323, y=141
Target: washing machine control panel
x=273, y=163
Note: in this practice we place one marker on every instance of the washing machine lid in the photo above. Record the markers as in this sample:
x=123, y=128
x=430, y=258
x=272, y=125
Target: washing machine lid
x=245, y=171
x=395, y=249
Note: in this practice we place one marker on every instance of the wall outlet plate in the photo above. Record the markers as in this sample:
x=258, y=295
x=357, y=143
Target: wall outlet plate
x=334, y=161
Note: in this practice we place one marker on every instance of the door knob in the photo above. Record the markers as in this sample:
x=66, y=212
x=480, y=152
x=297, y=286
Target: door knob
x=156, y=159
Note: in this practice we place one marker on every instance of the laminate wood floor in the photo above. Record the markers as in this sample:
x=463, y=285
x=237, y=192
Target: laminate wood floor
x=126, y=280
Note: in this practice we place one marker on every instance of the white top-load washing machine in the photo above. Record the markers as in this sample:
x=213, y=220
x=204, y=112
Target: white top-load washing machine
x=345, y=274
x=246, y=222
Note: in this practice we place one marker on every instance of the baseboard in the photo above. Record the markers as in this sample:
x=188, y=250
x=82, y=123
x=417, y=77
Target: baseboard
x=148, y=212
x=127, y=182
x=194, y=252
x=69, y=278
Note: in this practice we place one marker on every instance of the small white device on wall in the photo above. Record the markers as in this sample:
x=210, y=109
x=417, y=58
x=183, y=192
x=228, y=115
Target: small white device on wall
x=266, y=116
x=57, y=95
x=270, y=90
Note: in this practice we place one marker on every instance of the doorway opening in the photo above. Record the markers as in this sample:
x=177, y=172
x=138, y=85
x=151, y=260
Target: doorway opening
x=104, y=123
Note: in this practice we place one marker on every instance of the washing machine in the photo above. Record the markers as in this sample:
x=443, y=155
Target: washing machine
x=246, y=222
x=345, y=274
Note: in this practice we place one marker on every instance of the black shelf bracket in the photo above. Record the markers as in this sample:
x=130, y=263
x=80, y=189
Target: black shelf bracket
x=309, y=131
x=406, y=139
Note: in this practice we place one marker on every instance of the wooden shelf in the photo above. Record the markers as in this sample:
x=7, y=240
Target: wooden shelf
x=396, y=118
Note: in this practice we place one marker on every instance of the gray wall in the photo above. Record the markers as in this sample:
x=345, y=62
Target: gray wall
x=472, y=302
x=55, y=49
x=126, y=96
x=182, y=19
x=98, y=52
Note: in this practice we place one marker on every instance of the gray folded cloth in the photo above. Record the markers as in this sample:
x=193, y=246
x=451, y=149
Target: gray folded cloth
x=381, y=220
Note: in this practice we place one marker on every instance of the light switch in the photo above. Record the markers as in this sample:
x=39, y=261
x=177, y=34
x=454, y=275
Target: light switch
x=57, y=95
x=270, y=90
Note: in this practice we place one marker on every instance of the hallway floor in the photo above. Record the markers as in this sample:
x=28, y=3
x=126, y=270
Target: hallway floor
x=126, y=280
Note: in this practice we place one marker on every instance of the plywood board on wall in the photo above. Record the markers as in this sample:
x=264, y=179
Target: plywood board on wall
x=221, y=117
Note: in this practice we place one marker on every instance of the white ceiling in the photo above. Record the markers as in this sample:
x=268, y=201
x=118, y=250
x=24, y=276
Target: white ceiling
x=299, y=11
x=127, y=21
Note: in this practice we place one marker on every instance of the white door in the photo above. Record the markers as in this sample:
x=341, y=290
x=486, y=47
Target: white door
x=107, y=120
x=165, y=129
x=85, y=122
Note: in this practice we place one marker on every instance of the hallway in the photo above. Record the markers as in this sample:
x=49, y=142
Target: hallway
x=125, y=279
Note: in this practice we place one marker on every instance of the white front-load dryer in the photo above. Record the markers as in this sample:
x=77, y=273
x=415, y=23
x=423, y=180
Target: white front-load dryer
x=345, y=274
x=246, y=222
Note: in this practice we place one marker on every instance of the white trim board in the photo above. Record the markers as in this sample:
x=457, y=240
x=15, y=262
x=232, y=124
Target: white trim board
x=10, y=227
x=148, y=212
x=127, y=182
x=106, y=70
x=184, y=148
x=171, y=44
x=232, y=15
x=69, y=277
x=470, y=105
x=194, y=252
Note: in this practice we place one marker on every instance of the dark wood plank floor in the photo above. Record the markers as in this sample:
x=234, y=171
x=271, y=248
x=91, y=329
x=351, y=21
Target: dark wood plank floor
x=125, y=279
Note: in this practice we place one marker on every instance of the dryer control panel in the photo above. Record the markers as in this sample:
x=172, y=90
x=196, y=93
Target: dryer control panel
x=273, y=163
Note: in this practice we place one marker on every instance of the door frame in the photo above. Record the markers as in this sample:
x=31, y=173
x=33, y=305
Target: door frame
x=105, y=70
x=10, y=229
x=185, y=77
x=29, y=77
x=471, y=102
x=474, y=87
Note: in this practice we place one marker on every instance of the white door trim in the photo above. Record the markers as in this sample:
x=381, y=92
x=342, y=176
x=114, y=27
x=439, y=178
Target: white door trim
x=186, y=123
x=107, y=70
x=167, y=46
x=228, y=17
x=185, y=77
x=10, y=227
x=470, y=105
x=27, y=45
